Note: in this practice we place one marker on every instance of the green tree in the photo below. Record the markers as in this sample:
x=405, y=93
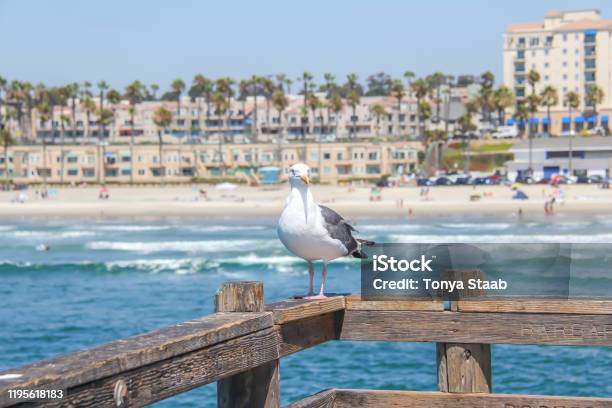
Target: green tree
x=280, y=102
x=102, y=86
x=487, y=80
x=64, y=120
x=572, y=101
x=306, y=80
x=353, y=99
x=221, y=107
x=45, y=115
x=549, y=98
x=398, y=92
x=89, y=106
x=503, y=99
x=178, y=86
x=162, y=118
x=379, y=112
x=134, y=93
x=533, y=77
x=420, y=89
x=6, y=140
x=335, y=105
x=594, y=96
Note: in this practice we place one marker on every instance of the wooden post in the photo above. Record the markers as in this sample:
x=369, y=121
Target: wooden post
x=463, y=367
x=260, y=386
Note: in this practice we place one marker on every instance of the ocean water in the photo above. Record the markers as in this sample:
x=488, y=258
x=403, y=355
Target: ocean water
x=105, y=279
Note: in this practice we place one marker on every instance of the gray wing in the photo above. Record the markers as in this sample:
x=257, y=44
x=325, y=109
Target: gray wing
x=339, y=229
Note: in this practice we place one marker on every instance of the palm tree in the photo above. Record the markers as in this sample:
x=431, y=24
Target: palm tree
x=90, y=106
x=306, y=79
x=221, y=107
x=162, y=118
x=313, y=104
x=74, y=89
x=503, y=99
x=280, y=102
x=6, y=140
x=487, y=80
x=398, y=91
x=63, y=121
x=224, y=87
x=420, y=89
x=178, y=86
x=533, y=101
x=409, y=76
x=255, y=81
x=533, y=77
x=594, y=96
x=154, y=90
x=353, y=99
x=102, y=86
x=105, y=117
x=268, y=91
x=45, y=115
x=134, y=93
x=335, y=105
x=437, y=79
x=378, y=111
x=572, y=100
x=549, y=98
x=113, y=98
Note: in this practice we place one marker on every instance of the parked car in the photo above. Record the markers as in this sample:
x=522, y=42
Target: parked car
x=505, y=132
x=476, y=181
x=467, y=135
x=524, y=179
x=444, y=181
x=495, y=179
x=463, y=180
x=423, y=181
x=596, y=179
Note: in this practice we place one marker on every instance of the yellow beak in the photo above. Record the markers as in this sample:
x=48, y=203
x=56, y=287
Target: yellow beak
x=305, y=179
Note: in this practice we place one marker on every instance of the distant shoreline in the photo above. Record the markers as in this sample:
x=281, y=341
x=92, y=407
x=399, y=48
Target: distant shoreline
x=250, y=202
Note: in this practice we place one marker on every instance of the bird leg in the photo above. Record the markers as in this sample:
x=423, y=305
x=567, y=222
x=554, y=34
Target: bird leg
x=321, y=294
x=310, y=279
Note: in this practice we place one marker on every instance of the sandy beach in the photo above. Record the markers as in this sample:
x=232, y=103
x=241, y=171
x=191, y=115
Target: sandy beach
x=268, y=201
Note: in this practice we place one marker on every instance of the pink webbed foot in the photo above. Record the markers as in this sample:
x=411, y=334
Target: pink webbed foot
x=315, y=297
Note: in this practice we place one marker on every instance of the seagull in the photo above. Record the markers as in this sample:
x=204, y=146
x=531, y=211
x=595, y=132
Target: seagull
x=314, y=232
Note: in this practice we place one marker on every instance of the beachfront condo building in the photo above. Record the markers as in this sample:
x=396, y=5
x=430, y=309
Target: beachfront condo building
x=571, y=50
x=179, y=163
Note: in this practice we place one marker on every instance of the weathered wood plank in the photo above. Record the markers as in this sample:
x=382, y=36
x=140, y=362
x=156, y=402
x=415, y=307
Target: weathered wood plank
x=464, y=367
x=258, y=387
x=240, y=297
x=490, y=328
x=354, y=302
x=85, y=366
x=301, y=334
x=572, y=306
x=296, y=309
x=411, y=399
x=175, y=375
x=323, y=399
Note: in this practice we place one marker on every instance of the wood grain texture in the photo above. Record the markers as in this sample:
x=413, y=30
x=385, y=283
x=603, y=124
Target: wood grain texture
x=323, y=399
x=489, y=328
x=464, y=368
x=178, y=374
x=240, y=297
x=299, y=335
x=411, y=399
x=71, y=370
x=355, y=302
x=537, y=306
x=258, y=387
x=296, y=309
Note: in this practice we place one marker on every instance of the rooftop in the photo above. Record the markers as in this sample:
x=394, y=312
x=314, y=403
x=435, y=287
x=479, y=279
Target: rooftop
x=561, y=143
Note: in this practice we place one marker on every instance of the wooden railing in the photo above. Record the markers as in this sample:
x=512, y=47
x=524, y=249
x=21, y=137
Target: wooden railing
x=240, y=345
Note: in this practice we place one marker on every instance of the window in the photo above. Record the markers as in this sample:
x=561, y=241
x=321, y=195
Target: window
x=564, y=37
x=546, y=65
x=141, y=172
x=373, y=156
x=339, y=156
x=565, y=76
x=73, y=172
x=564, y=63
x=565, y=51
x=546, y=77
x=534, y=41
x=327, y=156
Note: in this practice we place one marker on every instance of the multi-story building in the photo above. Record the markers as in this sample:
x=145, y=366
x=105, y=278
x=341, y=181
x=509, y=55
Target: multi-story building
x=571, y=50
x=579, y=156
x=122, y=163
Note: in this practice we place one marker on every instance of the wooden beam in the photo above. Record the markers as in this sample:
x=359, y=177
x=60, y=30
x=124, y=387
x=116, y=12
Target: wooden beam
x=114, y=359
x=297, y=309
x=571, y=306
x=412, y=399
x=489, y=328
x=301, y=334
x=464, y=367
x=355, y=302
x=258, y=387
x=323, y=399
x=148, y=384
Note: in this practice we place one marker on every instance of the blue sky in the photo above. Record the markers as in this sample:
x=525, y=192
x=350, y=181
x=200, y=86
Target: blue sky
x=59, y=41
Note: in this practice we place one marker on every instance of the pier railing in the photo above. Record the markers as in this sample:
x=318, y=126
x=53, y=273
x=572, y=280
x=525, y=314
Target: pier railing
x=240, y=345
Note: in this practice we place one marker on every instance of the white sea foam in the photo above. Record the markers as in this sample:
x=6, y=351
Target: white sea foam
x=6, y=228
x=226, y=228
x=181, y=246
x=132, y=228
x=33, y=234
x=504, y=238
x=478, y=226
x=392, y=227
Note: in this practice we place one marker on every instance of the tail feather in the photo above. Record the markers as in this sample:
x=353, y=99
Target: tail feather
x=358, y=253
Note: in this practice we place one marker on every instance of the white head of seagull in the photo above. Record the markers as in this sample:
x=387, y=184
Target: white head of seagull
x=299, y=175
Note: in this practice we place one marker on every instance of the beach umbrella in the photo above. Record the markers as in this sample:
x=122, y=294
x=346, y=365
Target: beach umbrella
x=226, y=186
